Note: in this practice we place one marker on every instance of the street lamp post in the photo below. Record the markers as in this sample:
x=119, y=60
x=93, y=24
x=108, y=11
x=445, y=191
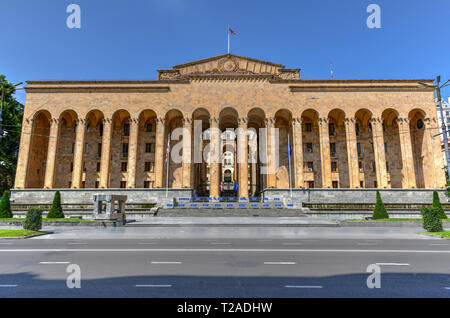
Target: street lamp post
x=438, y=87
x=3, y=95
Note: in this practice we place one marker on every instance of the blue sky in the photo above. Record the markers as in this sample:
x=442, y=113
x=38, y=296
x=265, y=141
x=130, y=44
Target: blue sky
x=130, y=40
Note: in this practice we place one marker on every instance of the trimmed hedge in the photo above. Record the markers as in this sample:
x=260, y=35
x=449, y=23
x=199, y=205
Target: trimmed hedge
x=379, y=212
x=437, y=205
x=431, y=220
x=33, y=220
x=5, y=206
x=56, y=211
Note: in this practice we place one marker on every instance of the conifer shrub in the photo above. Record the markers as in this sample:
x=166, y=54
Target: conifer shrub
x=437, y=204
x=431, y=220
x=33, y=221
x=5, y=206
x=56, y=211
x=379, y=212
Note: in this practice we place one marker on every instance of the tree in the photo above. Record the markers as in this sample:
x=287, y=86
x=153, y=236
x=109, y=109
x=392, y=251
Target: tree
x=5, y=206
x=379, y=212
x=9, y=141
x=431, y=220
x=56, y=211
x=33, y=221
x=437, y=205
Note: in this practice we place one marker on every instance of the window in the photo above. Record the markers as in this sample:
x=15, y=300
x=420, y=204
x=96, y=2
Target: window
x=71, y=166
x=98, y=166
x=361, y=184
x=86, y=148
x=375, y=184
x=149, y=147
x=84, y=166
x=371, y=147
x=358, y=146
x=99, y=149
x=360, y=166
x=387, y=166
x=73, y=148
x=126, y=130
x=370, y=127
x=125, y=149
x=374, y=166
x=309, y=147
x=146, y=184
x=333, y=166
x=97, y=184
x=308, y=127
x=384, y=128
x=331, y=129
x=309, y=166
x=357, y=129
x=385, y=148
x=311, y=184
x=88, y=128
x=147, y=167
x=420, y=124
x=101, y=130
x=335, y=184
x=124, y=166
x=70, y=184
x=333, y=149
x=75, y=128
x=123, y=184
x=83, y=184
x=149, y=128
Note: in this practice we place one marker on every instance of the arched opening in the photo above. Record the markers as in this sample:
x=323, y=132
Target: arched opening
x=312, y=167
x=65, y=149
x=283, y=120
x=394, y=163
x=38, y=150
x=174, y=120
x=338, y=149
x=228, y=123
x=256, y=121
x=365, y=148
x=420, y=150
x=145, y=161
x=93, y=148
x=201, y=121
x=119, y=149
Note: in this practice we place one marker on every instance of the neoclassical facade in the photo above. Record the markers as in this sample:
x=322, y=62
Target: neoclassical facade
x=344, y=133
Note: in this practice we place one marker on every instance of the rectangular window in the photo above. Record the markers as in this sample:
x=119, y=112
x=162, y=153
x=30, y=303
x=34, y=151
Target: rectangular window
x=83, y=184
x=308, y=127
x=385, y=148
x=333, y=166
x=309, y=147
x=125, y=150
x=84, y=166
x=101, y=130
x=387, y=166
x=88, y=128
x=361, y=184
x=149, y=128
x=124, y=166
x=370, y=127
x=123, y=184
x=333, y=149
x=331, y=129
x=358, y=146
x=309, y=166
x=357, y=129
x=360, y=166
x=146, y=184
x=97, y=184
x=98, y=166
x=147, y=167
x=126, y=130
x=311, y=184
x=99, y=150
x=375, y=184
x=148, y=147
x=374, y=166
x=86, y=148
x=71, y=167
x=371, y=147
x=73, y=148
x=335, y=184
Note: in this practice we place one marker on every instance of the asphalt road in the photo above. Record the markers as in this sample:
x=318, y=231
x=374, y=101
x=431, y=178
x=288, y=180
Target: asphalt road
x=225, y=267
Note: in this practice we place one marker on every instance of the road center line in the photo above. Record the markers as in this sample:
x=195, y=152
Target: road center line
x=47, y=263
x=167, y=262
x=368, y=244
x=6, y=286
x=147, y=243
x=448, y=288
x=438, y=244
x=299, y=286
x=393, y=264
x=220, y=243
x=223, y=250
x=292, y=243
x=280, y=263
x=154, y=286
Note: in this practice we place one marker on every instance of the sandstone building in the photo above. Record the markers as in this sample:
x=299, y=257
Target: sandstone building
x=344, y=133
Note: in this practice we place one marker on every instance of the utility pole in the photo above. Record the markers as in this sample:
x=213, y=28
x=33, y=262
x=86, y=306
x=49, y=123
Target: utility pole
x=438, y=87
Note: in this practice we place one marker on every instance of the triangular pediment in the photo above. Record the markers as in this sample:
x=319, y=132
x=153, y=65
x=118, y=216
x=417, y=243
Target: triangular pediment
x=228, y=64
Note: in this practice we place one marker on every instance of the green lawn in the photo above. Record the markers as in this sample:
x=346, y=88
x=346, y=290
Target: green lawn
x=393, y=220
x=18, y=233
x=444, y=234
x=49, y=220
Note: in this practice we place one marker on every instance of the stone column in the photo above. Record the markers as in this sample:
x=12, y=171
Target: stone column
x=79, y=154
x=352, y=152
x=24, y=152
x=271, y=155
x=379, y=152
x=214, y=165
x=325, y=158
x=298, y=151
x=187, y=152
x=132, y=152
x=242, y=145
x=51, y=154
x=159, y=152
x=407, y=154
x=106, y=153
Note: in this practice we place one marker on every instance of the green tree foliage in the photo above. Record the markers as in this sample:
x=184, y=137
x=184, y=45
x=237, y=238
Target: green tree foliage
x=379, y=212
x=437, y=205
x=33, y=221
x=5, y=206
x=431, y=220
x=9, y=141
x=56, y=211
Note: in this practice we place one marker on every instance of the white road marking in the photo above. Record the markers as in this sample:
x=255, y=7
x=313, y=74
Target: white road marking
x=280, y=263
x=298, y=286
x=6, y=286
x=393, y=264
x=46, y=263
x=367, y=244
x=223, y=250
x=220, y=243
x=167, y=262
x=154, y=286
x=147, y=243
x=76, y=243
x=292, y=243
x=5, y=243
x=448, y=288
x=438, y=244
